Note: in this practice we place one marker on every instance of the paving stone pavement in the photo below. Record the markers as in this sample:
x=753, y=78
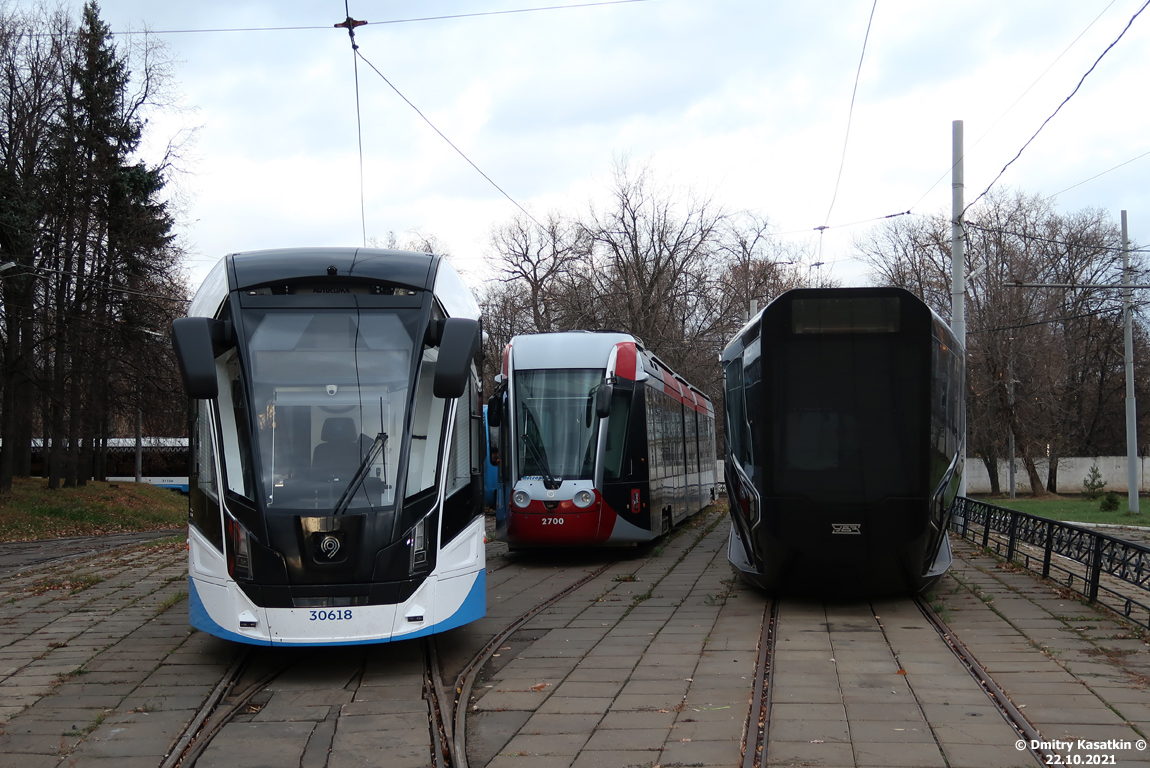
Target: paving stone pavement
x=651, y=663
x=1075, y=671
x=870, y=684
x=648, y=664
x=97, y=660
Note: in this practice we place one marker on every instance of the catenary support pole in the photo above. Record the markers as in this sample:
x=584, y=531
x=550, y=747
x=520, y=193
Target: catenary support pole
x=958, y=270
x=1131, y=410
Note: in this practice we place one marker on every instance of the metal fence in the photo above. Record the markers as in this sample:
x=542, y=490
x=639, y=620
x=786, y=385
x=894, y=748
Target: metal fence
x=1102, y=568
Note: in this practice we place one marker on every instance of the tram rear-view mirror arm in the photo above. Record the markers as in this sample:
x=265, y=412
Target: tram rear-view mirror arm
x=458, y=346
x=603, y=399
x=195, y=340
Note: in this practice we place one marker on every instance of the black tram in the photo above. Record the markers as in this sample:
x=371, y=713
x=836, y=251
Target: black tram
x=844, y=430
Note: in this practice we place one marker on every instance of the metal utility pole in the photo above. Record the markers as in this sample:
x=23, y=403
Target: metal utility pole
x=1131, y=410
x=958, y=270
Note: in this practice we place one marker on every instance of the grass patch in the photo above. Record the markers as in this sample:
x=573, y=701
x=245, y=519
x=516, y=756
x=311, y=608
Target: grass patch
x=31, y=511
x=73, y=583
x=170, y=601
x=1074, y=509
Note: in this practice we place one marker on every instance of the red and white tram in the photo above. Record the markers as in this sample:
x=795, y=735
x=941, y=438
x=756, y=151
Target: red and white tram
x=597, y=442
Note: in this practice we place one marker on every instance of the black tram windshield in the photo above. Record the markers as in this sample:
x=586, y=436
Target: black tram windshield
x=555, y=423
x=848, y=423
x=330, y=391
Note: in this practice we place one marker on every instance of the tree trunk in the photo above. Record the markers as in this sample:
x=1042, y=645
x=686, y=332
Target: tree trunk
x=1036, y=486
x=991, y=464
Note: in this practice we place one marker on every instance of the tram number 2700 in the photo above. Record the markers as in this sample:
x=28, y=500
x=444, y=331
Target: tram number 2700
x=343, y=615
x=553, y=521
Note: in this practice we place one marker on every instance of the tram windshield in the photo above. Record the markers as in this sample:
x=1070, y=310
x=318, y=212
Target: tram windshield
x=329, y=392
x=555, y=423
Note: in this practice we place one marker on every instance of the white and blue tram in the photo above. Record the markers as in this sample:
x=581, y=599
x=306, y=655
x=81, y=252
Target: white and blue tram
x=597, y=442
x=844, y=433
x=336, y=447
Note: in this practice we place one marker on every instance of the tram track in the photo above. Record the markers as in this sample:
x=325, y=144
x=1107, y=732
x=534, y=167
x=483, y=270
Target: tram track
x=759, y=715
x=251, y=674
x=244, y=688
x=757, y=728
x=466, y=679
x=1012, y=714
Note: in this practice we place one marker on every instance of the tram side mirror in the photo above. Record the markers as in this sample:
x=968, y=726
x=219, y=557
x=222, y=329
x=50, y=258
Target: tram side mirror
x=495, y=411
x=458, y=346
x=603, y=400
x=192, y=338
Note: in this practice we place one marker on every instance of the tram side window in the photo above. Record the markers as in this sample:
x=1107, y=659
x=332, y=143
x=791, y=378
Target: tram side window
x=459, y=460
x=738, y=429
x=427, y=425
x=692, y=439
x=236, y=430
x=204, y=506
x=617, y=433
x=458, y=506
x=652, y=435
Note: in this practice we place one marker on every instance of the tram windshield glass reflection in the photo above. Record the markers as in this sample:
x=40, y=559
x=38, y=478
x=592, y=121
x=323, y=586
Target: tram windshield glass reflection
x=556, y=437
x=329, y=391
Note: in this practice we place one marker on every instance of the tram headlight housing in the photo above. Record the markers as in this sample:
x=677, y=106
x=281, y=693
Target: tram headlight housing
x=584, y=499
x=521, y=499
x=239, y=549
x=418, y=544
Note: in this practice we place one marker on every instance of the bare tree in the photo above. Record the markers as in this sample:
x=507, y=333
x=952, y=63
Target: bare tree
x=541, y=262
x=1043, y=364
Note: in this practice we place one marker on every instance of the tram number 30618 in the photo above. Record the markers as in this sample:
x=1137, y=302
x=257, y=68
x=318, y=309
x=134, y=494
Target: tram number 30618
x=553, y=521
x=344, y=615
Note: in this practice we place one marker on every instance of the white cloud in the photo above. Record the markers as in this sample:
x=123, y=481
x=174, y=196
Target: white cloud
x=744, y=98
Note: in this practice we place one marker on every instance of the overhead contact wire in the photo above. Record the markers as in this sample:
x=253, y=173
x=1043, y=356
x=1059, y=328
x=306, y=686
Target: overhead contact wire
x=450, y=142
x=351, y=24
x=850, y=116
x=450, y=17
x=1060, y=106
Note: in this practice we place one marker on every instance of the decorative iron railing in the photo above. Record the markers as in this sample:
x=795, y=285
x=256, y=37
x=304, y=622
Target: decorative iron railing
x=1104, y=569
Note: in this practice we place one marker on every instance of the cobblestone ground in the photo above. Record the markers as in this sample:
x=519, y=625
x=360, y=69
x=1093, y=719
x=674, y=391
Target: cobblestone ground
x=1075, y=670
x=649, y=662
x=95, y=665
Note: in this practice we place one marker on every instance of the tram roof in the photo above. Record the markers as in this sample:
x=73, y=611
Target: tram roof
x=570, y=349
x=413, y=270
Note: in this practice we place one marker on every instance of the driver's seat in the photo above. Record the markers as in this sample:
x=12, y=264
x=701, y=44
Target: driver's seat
x=339, y=451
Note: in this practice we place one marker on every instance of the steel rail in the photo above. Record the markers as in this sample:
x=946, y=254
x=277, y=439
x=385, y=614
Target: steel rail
x=1012, y=714
x=176, y=756
x=466, y=679
x=220, y=713
x=759, y=716
x=439, y=725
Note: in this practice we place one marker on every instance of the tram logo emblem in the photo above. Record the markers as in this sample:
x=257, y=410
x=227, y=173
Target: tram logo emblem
x=851, y=529
x=329, y=546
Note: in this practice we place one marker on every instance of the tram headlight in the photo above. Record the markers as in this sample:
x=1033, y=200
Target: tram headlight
x=418, y=543
x=584, y=499
x=239, y=550
x=521, y=499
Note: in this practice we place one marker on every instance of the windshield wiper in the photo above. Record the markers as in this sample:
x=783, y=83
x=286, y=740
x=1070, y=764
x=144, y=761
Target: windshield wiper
x=540, y=456
x=360, y=474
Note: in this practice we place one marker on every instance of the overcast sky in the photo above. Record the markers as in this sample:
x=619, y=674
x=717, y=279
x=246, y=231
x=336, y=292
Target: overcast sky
x=744, y=100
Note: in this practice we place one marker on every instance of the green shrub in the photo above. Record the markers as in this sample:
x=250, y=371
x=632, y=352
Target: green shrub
x=1109, y=502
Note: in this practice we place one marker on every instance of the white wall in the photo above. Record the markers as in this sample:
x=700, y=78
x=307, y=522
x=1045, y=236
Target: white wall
x=1071, y=473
